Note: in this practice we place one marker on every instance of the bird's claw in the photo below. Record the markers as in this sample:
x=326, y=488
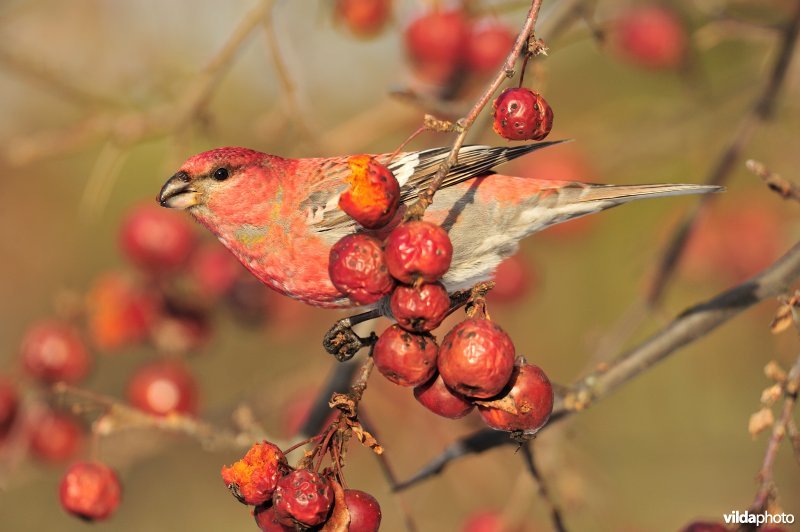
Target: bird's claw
x=343, y=343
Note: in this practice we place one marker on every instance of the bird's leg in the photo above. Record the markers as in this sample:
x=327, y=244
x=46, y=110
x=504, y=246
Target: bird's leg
x=342, y=342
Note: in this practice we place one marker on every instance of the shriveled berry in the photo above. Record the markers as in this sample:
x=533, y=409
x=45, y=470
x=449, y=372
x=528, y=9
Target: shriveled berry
x=357, y=267
x=476, y=358
x=405, y=358
x=214, y=270
x=267, y=521
x=364, y=18
x=9, y=405
x=521, y=114
x=119, y=313
x=435, y=41
x=374, y=193
x=155, y=239
x=488, y=45
x=302, y=497
x=54, y=436
x=365, y=512
x=530, y=395
x=90, y=490
x=53, y=351
x=419, y=308
x=162, y=388
x=418, y=250
x=651, y=36
x=253, y=479
x=439, y=399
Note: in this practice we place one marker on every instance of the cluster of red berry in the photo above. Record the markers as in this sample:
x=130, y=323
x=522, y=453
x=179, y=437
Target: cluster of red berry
x=286, y=498
x=476, y=362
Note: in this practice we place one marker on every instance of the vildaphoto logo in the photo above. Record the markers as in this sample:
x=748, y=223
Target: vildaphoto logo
x=764, y=518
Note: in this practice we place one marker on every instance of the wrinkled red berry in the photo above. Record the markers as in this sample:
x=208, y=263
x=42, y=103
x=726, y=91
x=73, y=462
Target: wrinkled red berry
x=418, y=250
x=53, y=351
x=162, y=388
x=365, y=512
x=155, y=239
x=651, y=36
x=214, y=270
x=521, y=114
x=374, y=194
x=267, y=521
x=405, y=358
x=364, y=18
x=530, y=394
x=476, y=358
x=358, y=268
x=90, y=490
x=9, y=406
x=435, y=42
x=439, y=399
x=302, y=497
x=119, y=313
x=421, y=308
x=54, y=436
x=488, y=45
x=514, y=279
x=253, y=479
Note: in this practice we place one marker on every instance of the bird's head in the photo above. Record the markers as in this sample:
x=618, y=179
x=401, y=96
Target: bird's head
x=210, y=175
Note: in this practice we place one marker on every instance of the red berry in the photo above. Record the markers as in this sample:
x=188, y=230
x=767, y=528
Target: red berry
x=531, y=394
x=439, y=399
x=485, y=521
x=302, y=498
x=155, y=239
x=365, y=512
x=476, y=358
x=514, y=278
x=53, y=351
x=419, y=308
x=9, y=406
x=521, y=114
x=405, y=358
x=162, y=388
x=364, y=18
x=253, y=479
x=651, y=36
x=418, y=250
x=267, y=521
x=488, y=45
x=90, y=490
x=435, y=42
x=119, y=312
x=374, y=193
x=181, y=330
x=54, y=436
x=357, y=267
x=214, y=270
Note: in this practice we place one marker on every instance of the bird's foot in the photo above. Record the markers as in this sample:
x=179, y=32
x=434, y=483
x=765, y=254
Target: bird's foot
x=343, y=343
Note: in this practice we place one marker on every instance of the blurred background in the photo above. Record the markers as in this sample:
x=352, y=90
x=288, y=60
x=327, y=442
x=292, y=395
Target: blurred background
x=103, y=99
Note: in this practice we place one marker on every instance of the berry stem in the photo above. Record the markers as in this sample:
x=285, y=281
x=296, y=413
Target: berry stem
x=417, y=209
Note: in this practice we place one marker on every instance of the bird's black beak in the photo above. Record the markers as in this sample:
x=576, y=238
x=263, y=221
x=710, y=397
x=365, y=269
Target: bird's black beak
x=177, y=193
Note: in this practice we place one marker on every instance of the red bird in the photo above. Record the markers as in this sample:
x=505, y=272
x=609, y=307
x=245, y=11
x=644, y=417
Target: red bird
x=280, y=217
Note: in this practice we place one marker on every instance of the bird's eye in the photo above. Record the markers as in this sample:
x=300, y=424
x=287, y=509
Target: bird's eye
x=220, y=174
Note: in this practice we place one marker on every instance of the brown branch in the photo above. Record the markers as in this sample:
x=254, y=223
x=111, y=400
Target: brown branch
x=417, y=209
x=544, y=493
x=766, y=486
x=690, y=325
x=783, y=187
x=761, y=111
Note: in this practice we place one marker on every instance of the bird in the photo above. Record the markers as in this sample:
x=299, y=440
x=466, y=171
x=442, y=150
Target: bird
x=280, y=216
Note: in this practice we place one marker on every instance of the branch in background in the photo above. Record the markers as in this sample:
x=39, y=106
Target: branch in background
x=785, y=188
x=339, y=382
x=417, y=209
x=544, y=493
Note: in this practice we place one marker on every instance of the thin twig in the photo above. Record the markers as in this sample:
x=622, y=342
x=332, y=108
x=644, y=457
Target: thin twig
x=417, y=209
x=785, y=188
x=544, y=493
